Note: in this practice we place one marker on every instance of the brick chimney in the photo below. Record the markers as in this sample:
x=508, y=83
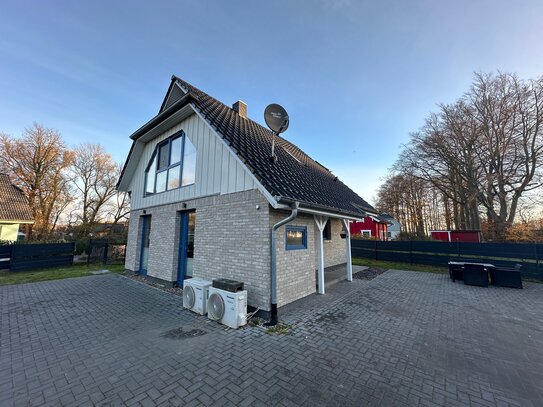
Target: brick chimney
x=241, y=108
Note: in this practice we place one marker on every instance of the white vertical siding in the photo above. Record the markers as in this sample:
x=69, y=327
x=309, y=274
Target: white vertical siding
x=217, y=170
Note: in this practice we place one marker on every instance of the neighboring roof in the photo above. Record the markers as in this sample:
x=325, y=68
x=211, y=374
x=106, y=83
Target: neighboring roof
x=294, y=177
x=389, y=218
x=13, y=203
x=380, y=219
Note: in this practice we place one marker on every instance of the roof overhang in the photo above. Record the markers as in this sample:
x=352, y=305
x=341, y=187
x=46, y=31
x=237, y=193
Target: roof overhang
x=179, y=111
x=161, y=117
x=315, y=209
x=13, y=221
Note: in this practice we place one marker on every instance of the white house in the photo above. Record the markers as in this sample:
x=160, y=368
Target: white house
x=207, y=202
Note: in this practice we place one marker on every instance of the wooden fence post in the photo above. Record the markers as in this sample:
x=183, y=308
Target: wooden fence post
x=376, y=257
x=410, y=251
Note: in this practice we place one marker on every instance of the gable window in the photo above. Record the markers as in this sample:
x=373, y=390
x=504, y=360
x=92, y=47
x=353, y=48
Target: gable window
x=295, y=237
x=327, y=231
x=172, y=165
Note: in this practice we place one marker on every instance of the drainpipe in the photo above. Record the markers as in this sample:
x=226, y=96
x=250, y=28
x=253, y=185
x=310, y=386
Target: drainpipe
x=291, y=217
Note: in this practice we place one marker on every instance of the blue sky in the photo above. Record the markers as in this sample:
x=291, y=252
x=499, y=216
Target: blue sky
x=355, y=76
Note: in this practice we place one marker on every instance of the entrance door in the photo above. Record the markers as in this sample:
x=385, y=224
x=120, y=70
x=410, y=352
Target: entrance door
x=186, y=246
x=145, y=233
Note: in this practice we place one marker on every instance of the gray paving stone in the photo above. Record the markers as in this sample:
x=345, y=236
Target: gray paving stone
x=403, y=338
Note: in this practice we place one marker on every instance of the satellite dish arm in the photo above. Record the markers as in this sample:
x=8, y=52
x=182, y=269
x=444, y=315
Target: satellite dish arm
x=285, y=124
x=273, y=158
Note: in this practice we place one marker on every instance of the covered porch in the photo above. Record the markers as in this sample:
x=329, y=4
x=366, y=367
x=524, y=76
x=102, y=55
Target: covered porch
x=331, y=275
x=335, y=274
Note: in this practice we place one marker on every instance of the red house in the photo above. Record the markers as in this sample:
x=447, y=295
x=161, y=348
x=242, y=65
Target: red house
x=371, y=227
x=456, y=235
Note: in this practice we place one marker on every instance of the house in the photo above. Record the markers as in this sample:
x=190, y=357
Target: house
x=456, y=235
x=208, y=202
x=15, y=212
x=372, y=226
x=394, y=227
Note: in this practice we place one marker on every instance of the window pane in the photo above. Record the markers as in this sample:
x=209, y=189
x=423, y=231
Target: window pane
x=175, y=152
x=150, y=177
x=173, y=177
x=327, y=231
x=189, y=163
x=296, y=238
x=161, y=181
x=163, y=156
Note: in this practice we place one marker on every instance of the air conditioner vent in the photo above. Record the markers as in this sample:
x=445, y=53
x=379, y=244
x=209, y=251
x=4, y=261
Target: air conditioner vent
x=215, y=307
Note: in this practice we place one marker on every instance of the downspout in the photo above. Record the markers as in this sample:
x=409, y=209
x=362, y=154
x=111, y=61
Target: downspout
x=291, y=217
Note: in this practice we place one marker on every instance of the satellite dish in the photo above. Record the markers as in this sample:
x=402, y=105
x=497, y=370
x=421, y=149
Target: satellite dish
x=276, y=118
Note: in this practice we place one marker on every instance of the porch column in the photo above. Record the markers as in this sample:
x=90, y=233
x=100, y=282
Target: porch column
x=348, y=250
x=320, y=221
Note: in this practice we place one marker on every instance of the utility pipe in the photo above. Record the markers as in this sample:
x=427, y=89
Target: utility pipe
x=291, y=217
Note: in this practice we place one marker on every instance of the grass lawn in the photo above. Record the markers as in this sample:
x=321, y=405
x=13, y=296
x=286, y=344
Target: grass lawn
x=19, y=277
x=398, y=266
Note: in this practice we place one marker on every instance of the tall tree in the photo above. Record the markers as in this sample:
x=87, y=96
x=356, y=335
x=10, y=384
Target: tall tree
x=119, y=205
x=94, y=177
x=38, y=163
x=484, y=152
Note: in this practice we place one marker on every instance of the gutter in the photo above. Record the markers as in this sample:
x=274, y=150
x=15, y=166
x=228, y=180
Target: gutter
x=291, y=217
x=326, y=210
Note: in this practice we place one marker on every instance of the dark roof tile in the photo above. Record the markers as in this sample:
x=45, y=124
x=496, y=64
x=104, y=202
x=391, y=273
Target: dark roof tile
x=295, y=176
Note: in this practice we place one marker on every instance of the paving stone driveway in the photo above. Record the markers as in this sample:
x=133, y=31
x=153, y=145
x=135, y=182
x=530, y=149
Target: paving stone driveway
x=403, y=338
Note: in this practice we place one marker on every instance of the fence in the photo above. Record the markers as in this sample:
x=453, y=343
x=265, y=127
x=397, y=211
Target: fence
x=102, y=251
x=42, y=255
x=5, y=256
x=440, y=253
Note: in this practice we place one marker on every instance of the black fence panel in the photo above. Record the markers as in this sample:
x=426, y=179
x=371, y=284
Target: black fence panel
x=43, y=255
x=5, y=256
x=440, y=253
x=98, y=249
x=101, y=251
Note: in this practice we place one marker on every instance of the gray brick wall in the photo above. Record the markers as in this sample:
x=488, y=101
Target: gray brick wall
x=134, y=241
x=334, y=249
x=232, y=240
x=295, y=268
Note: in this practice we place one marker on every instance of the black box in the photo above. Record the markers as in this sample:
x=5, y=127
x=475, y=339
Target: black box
x=228, y=285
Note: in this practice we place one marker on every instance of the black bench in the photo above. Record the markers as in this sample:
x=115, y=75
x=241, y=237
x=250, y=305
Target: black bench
x=475, y=274
x=503, y=276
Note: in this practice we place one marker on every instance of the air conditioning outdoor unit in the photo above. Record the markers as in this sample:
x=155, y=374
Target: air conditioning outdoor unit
x=227, y=307
x=195, y=292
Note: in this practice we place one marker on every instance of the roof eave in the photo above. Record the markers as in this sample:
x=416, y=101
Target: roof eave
x=184, y=100
x=324, y=209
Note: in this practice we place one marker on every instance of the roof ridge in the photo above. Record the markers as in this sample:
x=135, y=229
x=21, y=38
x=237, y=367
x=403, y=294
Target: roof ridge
x=191, y=89
x=294, y=177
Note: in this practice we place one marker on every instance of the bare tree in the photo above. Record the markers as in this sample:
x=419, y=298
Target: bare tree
x=119, y=205
x=94, y=176
x=38, y=163
x=483, y=153
x=510, y=114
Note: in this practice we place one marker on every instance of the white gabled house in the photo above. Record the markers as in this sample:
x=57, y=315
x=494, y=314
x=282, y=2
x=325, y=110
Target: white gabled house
x=207, y=202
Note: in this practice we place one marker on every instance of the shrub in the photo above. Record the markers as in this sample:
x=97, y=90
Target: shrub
x=81, y=246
